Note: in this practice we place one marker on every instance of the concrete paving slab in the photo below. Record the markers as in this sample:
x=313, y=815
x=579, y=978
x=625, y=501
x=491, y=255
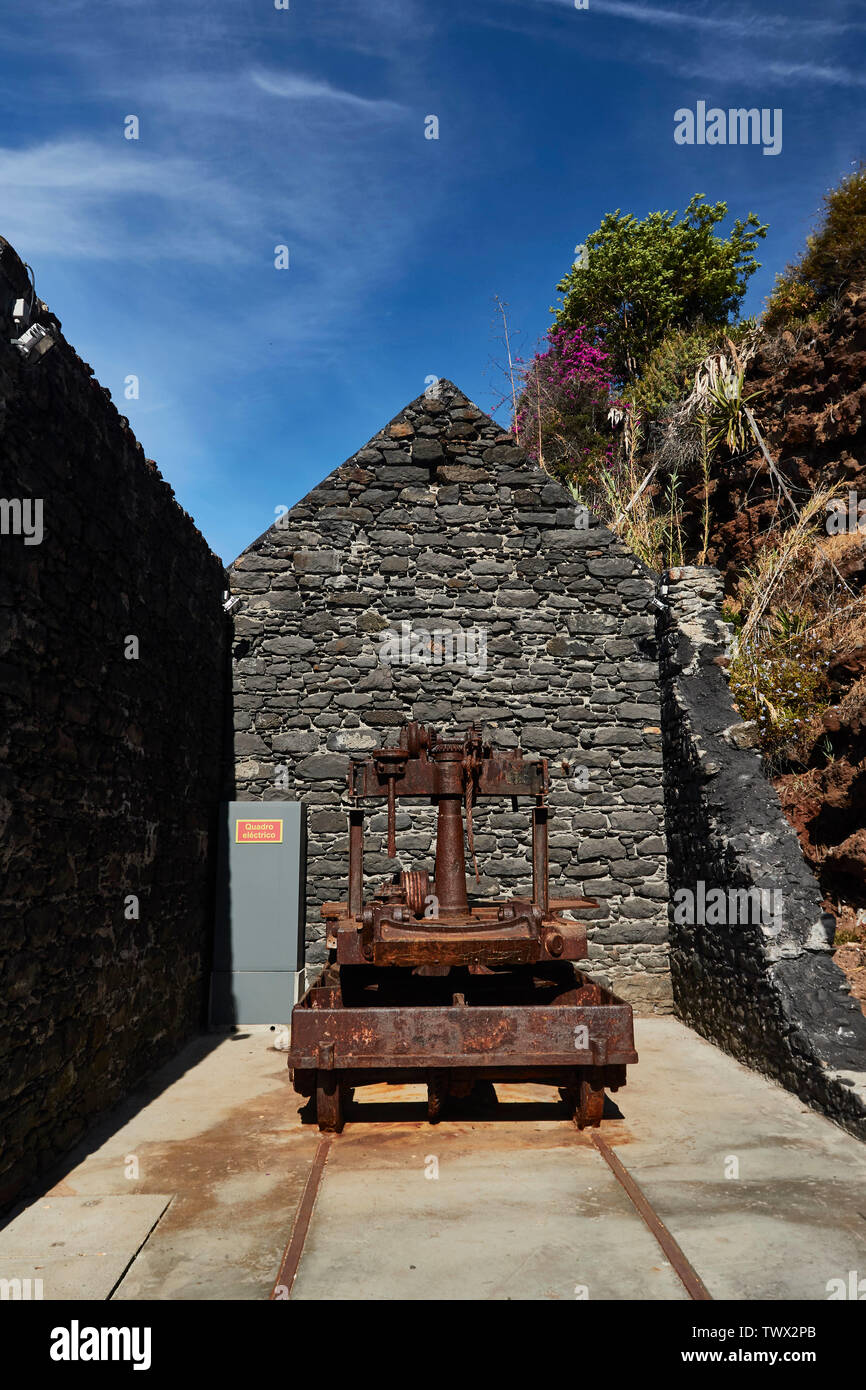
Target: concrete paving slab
x=79, y=1247
x=766, y=1197
x=224, y=1139
x=228, y=1141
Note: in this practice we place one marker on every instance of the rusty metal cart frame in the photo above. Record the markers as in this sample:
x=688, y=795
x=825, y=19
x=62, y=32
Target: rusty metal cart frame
x=477, y=991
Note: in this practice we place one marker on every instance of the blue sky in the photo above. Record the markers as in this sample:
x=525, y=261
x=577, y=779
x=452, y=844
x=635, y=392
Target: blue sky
x=305, y=127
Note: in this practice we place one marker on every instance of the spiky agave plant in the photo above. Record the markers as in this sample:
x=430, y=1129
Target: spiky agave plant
x=718, y=398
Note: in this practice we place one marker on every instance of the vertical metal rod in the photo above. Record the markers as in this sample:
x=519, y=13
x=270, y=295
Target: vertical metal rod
x=540, y=863
x=534, y=855
x=356, y=861
x=392, y=817
x=536, y=886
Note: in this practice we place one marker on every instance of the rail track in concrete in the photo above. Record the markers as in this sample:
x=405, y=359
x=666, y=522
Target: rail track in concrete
x=705, y=1181
x=668, y=1248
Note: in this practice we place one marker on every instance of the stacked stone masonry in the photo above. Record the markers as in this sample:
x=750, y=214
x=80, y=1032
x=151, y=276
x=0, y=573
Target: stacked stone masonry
x=441, y=524
x=111, y=765
x=765, y=989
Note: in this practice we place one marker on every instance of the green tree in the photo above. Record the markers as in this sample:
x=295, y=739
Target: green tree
x=640, y=279
x=834, y=258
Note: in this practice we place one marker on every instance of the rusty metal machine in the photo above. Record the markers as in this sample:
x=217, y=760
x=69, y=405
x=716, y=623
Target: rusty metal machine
x=425, y=984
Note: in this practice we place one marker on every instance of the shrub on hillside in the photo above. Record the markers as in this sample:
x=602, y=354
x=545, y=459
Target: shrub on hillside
x=834, y=258
x=642, y=278
x=780, y=681
x=561, y=418
x=669, y=374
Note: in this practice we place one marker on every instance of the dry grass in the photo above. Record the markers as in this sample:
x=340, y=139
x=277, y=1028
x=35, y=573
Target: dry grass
x=786, y=573
x=800, y=619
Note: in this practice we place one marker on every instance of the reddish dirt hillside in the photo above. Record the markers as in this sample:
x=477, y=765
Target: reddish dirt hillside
x=811, y=406
x=812, y=409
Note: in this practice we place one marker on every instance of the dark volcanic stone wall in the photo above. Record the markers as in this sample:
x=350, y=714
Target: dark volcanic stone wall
x=765, y=989
x=109, y=776
x=441, y=523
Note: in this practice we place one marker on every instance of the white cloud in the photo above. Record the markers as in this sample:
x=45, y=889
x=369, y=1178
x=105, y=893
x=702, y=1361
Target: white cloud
x=210, y=185
x=294, y=87
x=709, y=20
x=753, y=69
x=815, y=72
x=82, y=198
x=662, y=18
x=85, y=167
x=695, y=39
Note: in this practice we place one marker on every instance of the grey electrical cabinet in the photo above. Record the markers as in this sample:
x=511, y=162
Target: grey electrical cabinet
x=260, y=912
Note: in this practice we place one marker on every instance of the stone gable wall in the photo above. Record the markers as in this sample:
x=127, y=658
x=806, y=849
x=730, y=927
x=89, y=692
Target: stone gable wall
x=441, y=523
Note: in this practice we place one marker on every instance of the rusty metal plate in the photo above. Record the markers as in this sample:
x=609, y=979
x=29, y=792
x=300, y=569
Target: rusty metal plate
x=561, y=1035
x=500, y=775
x=461, y=949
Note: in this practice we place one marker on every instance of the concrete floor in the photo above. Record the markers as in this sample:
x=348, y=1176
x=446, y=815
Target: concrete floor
x=191, y=1193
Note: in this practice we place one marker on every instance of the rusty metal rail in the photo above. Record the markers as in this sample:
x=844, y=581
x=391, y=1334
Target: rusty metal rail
x=685, y=1272
x=672, y=1251
x=292, y=1258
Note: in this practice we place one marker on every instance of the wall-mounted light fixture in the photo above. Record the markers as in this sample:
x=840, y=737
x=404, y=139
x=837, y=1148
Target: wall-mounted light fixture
x=35, y=340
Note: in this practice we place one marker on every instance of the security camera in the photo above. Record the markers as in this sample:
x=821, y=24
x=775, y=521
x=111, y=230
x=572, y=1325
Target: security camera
x=35, y=342
x=21, y=313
